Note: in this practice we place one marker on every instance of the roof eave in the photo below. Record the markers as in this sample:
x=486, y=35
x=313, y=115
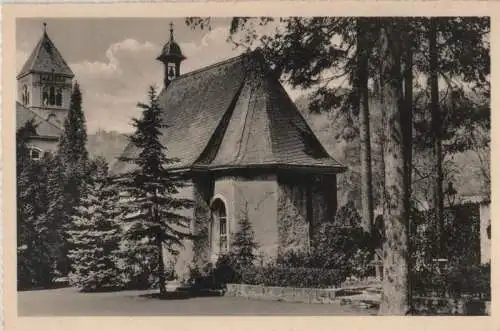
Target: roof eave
x=275, y=166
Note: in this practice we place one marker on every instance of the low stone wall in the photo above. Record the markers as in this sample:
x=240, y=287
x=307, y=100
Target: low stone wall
x=287, y=294
x=448, y=306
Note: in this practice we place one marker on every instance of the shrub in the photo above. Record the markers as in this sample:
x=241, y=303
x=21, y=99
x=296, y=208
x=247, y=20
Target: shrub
x=454, y=281
x=275, y=275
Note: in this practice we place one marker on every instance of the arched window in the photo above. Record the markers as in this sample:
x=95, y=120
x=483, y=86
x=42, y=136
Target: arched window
x=25, y=95
x=36, y=153
x=220, y=242
x=59, y=97
x=52, y=96
x=45, y=96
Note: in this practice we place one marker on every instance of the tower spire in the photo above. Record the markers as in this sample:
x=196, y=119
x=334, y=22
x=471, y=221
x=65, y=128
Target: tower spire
x=171, y=31
x=45, y=27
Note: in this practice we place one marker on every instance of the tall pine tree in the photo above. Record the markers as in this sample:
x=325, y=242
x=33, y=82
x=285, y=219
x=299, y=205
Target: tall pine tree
x=73, y=163
x=95, y=234
x=151, y=210
x=33, y=246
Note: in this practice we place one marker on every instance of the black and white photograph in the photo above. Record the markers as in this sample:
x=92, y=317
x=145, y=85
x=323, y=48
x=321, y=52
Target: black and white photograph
x=215, y=166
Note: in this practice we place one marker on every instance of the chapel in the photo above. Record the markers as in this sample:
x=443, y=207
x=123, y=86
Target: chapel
x=246, y=151
x=44, y=89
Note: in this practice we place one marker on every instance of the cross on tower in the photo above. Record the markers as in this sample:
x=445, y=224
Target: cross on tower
x=171, y=31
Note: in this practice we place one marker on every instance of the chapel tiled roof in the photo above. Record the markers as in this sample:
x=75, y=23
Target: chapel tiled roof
x=233, y=115
x=45, y=58
x=43, y=127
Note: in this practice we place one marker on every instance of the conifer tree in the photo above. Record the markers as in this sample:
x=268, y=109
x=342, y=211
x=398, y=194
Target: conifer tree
x=95, y=234
x=33, y=245
x=151, y=210
x=244, y=245
x=73, y=163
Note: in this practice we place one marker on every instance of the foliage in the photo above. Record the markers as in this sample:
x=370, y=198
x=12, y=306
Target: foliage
x=454, y=281
x=460, y=243
x=243, y=246
x=138, y=263
x=151, y=211
x=73, y=161
x=95, y=234
x=34, y=251
x=276, y=275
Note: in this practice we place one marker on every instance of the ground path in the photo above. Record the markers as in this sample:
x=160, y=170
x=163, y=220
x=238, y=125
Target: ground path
x=69, y=302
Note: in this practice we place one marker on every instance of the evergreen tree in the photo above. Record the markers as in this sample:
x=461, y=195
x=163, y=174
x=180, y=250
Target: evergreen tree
x=151, y=210
x=33, y=245
x=95, y=234
x=73, y=164
x=243, y=245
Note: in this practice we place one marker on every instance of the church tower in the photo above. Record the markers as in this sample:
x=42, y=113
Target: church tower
x=171, y=57
x=45, y=81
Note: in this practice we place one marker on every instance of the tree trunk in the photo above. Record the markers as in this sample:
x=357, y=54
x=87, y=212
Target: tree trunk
x=407, y=115
x=395, y=299
x=437, y=174
x=161, y=267
x=364, y=125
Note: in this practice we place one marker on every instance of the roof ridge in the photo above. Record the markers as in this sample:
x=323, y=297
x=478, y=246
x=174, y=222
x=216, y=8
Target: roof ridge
x=211, y=66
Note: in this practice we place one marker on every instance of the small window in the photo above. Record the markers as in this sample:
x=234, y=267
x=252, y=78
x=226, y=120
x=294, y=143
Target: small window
x=45, y=96
x=52, y=96
x=36, y=154
x=59, y=97
x=25, y=95
x=171, y=71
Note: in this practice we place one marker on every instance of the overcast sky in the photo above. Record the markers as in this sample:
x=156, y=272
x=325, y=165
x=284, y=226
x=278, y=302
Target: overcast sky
x=114, y=59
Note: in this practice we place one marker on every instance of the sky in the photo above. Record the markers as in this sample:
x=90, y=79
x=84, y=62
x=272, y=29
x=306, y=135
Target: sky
x=114, y=59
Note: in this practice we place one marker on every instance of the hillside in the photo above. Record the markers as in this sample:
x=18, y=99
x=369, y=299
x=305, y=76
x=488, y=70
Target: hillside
x=108, y=145
x=464, y=168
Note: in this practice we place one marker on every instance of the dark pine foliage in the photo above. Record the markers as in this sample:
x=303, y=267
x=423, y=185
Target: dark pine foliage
x=151, y=210
x=34, y=260
x=73, y=167
x=244, y=246
x=95, y=234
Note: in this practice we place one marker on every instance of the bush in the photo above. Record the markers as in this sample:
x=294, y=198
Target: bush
x=454, y=281
x=275, y=275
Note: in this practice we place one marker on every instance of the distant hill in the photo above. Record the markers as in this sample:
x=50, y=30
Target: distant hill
x=331, y=127
x=108, y=145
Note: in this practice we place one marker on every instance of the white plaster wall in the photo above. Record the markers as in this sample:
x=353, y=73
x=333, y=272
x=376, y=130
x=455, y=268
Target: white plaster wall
x=485, y=221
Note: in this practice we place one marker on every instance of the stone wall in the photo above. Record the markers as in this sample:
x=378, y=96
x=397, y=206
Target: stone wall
x=304, y=203
x=323, y=199
x=293, y=224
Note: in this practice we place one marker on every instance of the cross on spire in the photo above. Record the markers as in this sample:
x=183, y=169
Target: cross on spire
x=171, y=31
x=44, y=27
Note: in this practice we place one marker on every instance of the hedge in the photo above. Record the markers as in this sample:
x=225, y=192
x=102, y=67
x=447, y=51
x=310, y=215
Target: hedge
x=275, y=275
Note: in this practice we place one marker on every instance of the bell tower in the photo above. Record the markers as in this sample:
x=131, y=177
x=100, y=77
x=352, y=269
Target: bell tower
x=45, y=81
x=171, y=57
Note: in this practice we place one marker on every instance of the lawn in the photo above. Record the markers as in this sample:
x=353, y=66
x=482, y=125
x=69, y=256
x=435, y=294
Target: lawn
x=69, y=302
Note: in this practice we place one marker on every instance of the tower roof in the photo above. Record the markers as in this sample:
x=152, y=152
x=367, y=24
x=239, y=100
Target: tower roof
x=233, y=115
x=45, y=58
x=171, y=50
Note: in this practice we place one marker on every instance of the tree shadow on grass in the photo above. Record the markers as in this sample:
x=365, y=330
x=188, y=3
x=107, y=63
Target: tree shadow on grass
x=181, y=295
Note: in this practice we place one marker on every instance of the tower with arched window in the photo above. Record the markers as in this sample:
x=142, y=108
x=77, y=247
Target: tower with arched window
x=44, y=89
x=45, y=81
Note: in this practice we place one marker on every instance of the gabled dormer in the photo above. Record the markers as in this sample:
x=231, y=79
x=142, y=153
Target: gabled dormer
x=45, y=81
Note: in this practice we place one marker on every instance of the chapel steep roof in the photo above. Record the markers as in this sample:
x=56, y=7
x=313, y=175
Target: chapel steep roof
x=45, y=58
x=235, y=115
